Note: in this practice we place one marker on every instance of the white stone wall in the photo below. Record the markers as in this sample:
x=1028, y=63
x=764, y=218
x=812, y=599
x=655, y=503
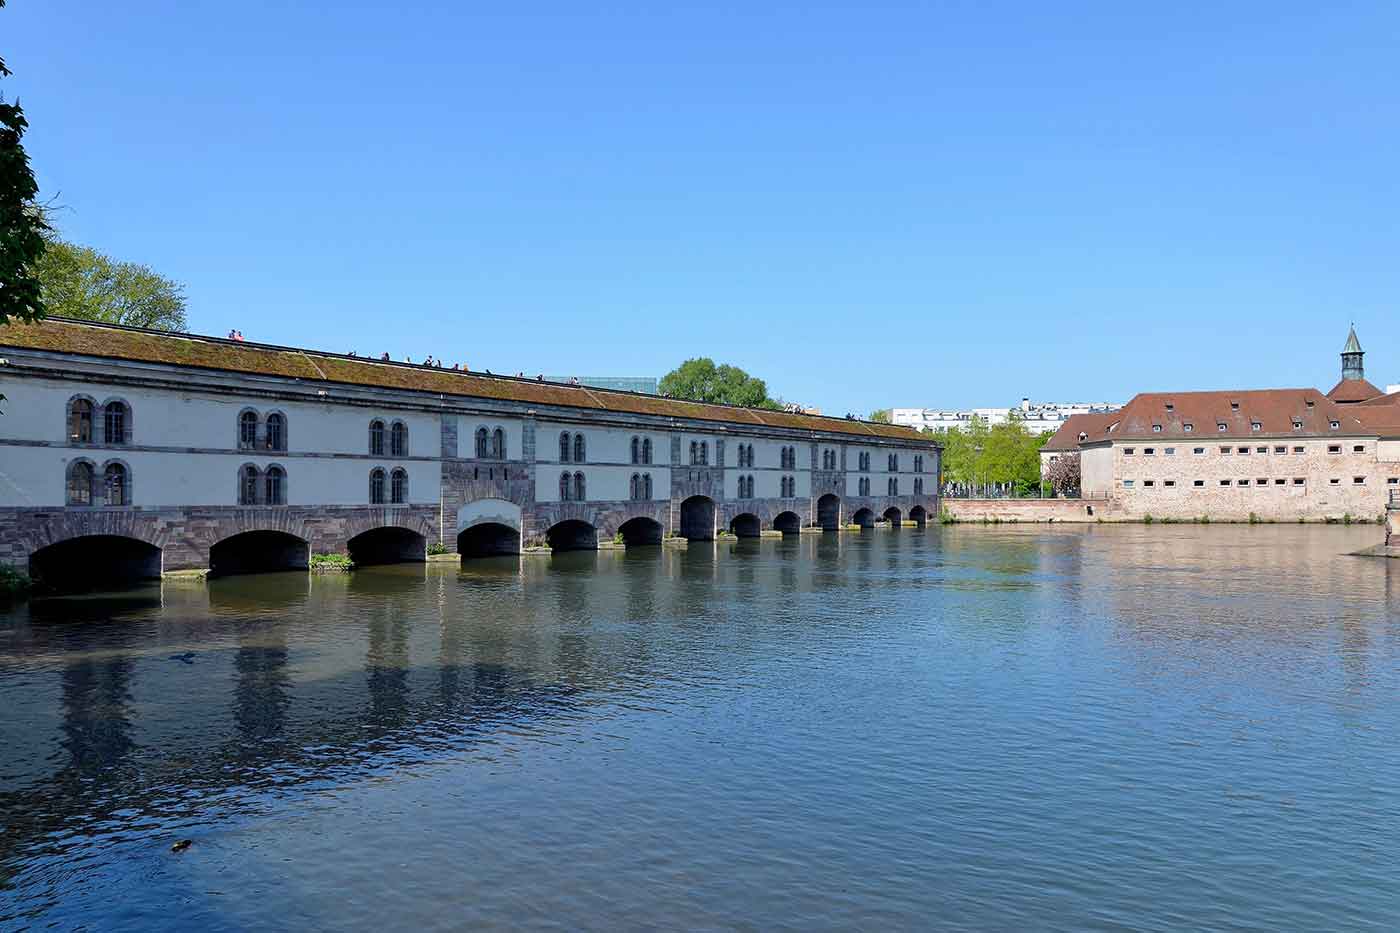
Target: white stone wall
x=1096, y=470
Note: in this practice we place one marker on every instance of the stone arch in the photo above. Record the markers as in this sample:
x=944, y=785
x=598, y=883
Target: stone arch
x=698, y=518
x=572, y=534
x=894, y=516
x=789, y=523
x=488, y=539
x=259, y=550
x=387, y=544
x=84, y=563
x=829, y=512
x=746, y=525
x=863, y=517
x=918, y=515
x=641, y=530
x=489, y=511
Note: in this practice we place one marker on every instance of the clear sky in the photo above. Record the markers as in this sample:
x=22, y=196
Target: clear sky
x=866, y=204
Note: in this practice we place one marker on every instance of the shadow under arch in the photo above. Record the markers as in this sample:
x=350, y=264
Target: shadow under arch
x=258, y=552
x=746, y=525
x=91, y=563
x=918, y=515
x=864, y=518
x=829, y=512
x=698, y=519
x=788, y=523
x=640, y=532
x=894, y=516
x=488, y=539
x=389, y=544
x=572, y=535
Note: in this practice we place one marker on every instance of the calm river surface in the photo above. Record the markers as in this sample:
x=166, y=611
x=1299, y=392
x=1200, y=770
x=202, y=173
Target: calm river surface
x=966, y=728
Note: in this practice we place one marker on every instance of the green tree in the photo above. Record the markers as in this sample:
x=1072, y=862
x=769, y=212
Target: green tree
x=880, y=415
x=700, y=380
x=22, y=225
x=80, y=282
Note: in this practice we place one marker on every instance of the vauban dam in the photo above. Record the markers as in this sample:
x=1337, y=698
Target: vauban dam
x=128, y=453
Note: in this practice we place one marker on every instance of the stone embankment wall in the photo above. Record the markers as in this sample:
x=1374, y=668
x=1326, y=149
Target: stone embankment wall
x=1030, y=510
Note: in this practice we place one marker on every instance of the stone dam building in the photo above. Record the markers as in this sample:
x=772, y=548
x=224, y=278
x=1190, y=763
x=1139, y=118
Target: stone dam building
x=1275, y=454
x=126, y=453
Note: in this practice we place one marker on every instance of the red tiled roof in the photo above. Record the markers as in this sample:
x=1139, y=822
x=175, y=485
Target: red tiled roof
x=1092, y=425
x=108, y=341
x=1148, y=416
x=1353, y=390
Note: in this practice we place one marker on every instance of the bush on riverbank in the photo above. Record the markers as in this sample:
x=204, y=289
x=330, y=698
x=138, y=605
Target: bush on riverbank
x=13, y=582
x=436, y=548
x=331, y=563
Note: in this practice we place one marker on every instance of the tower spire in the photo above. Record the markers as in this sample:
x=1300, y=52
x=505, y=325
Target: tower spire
x=1352, y=354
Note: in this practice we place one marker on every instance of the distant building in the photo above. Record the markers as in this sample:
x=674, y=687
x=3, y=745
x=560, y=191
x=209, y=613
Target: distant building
x=645, y=384
x=1038, y=417
x=1272, y=454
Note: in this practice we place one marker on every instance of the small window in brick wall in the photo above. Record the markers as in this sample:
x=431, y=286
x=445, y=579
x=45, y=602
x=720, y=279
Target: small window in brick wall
x=1199, y=482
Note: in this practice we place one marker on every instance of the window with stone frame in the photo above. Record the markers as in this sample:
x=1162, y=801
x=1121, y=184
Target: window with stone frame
x=398, y=439
x=248, y=430
x=275, y=432
x=376, y=486
x=376, y=438
x=116, y=423
x=80, y=421
x=249, y=479
x=275, y=486
x=398, y=486
x=116, y=484
x=79, y=483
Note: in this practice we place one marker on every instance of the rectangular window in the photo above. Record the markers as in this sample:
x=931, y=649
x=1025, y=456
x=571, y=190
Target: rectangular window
x=1242, y=450
x=1334, y=448
x=1261, y=482
x=1242, y=482
x=1334, y=481
x=1198, y=451
x=1299, y=481
x=1168, y=482
x=1279, y=482
x=1148, y=451
x=1359, y=449
x=1393, y=481
x=1225, y=450
x=1298, y=450
x=1170, y=451
x=1358, y=481
x=1224, y=482
x=1261, y=450
x=1199, y=482
x=1127, y=484
x=1280, y=449
x=1148, y=482
x=1128, y=451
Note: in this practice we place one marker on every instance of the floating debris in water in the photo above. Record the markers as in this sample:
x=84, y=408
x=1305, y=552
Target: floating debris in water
x=181, y=846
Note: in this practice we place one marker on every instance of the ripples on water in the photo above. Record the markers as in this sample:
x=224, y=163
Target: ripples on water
x=964, y=728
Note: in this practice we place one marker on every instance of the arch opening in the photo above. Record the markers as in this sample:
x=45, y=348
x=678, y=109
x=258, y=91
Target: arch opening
x=387, y=545
x=829, y=512
x=572, y=535
x=746, y=525
x=640, y=531
x=488, y=539
x=865, y=518
x=918, y=515
x=788, y=523
x=94, y=562
x=894, y=516
x=698, y=519
x=258, y=552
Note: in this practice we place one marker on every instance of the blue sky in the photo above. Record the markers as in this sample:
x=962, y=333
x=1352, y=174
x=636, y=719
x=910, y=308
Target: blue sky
x=865, y=204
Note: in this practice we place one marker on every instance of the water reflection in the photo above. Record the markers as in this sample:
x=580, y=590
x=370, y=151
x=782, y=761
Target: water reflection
x=813, y=681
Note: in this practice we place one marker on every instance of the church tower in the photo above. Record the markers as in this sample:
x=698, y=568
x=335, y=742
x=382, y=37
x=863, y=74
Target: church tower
x=1351, y=358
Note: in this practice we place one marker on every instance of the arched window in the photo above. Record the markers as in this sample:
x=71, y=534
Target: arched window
x=398, y=440
x=376, y=486
x=483, y=443
x=704, y=453
x=564, y=448
x=80, y=482
x=580, y=451
x=114, y=423
x=918, y=486
x=498, y=444
x=398, y=487
x=694, y=453
x=248, y=430
x=114, y=482
x=580, y=491
x=646, y=452
x=248, y=485
x=80, y=421
x=635, y=490
x=566, y=486
x=275, y=484
x=376, y=438
x=636, y=452
x=275, y=432
x=646, y=486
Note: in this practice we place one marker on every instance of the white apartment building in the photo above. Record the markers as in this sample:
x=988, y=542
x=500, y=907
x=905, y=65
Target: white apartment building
x=1036, y=416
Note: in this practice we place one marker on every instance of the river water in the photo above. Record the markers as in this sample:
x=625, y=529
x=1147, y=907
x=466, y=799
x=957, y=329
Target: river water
x=964, y=728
